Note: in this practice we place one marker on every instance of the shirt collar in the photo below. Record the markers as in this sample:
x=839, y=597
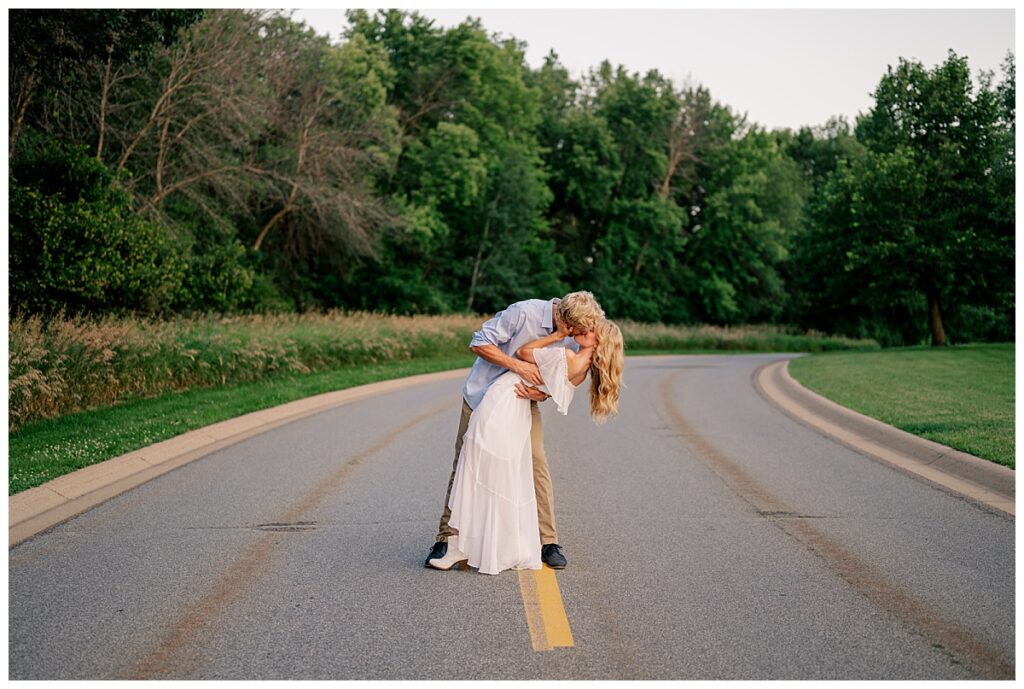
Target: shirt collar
x=549, y=321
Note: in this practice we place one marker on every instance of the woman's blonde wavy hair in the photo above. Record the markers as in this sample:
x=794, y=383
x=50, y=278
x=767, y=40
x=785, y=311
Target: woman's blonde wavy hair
x=606, y=371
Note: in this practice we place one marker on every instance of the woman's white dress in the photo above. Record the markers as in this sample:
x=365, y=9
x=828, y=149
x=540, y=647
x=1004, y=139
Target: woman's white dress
x=493, y=503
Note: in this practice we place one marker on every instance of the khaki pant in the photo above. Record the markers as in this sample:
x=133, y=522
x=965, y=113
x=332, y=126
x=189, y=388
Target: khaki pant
x=541, y=479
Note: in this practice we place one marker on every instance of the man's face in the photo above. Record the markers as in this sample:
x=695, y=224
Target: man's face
x=574, y=330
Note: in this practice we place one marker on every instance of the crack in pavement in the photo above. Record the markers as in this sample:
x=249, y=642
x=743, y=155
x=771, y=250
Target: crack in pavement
x=957, y=643
x=177, y=651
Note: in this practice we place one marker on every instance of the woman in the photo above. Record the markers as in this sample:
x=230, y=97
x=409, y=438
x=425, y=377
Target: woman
x=493, y=503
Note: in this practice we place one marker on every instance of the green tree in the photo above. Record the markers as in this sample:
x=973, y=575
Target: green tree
x=635, y=256
x=699, y=210
x=582, y=160
x=748, y=209
x=920, y=216
x=330, y=132
x=469, y=179
x=818, y=150
x=64, y=63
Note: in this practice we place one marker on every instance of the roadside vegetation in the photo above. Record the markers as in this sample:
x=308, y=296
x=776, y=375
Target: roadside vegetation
x=65, y=365
x=85, y=390
x=960, y=396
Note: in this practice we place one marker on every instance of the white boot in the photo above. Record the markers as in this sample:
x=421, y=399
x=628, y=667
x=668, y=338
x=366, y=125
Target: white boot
x=452, y=557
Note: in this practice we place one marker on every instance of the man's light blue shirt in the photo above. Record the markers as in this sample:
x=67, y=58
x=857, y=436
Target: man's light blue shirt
x=509, y=330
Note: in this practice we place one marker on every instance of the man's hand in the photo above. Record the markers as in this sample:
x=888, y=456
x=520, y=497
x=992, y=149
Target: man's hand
x=525, y=392
x=530, y=373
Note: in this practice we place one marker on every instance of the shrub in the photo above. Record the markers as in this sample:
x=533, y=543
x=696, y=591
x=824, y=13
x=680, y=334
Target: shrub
x=76, y=244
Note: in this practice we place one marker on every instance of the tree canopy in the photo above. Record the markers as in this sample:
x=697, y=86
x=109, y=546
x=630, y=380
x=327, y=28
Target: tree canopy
x=170, y=161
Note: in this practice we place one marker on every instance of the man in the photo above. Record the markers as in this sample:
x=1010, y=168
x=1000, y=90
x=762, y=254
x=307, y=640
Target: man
x=495, y=345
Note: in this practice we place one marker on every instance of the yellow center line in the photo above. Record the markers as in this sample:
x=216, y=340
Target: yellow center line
x=545, y=613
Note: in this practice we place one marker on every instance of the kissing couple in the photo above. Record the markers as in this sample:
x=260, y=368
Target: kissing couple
x=499, y=506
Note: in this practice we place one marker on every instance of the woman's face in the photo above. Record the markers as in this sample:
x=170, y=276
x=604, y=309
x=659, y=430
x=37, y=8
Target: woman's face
x=587, y=339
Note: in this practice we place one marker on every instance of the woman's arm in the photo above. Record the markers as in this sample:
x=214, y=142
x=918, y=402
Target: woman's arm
x=526, y=351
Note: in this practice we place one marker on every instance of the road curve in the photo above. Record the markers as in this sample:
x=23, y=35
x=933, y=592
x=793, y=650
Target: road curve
x=709, y=536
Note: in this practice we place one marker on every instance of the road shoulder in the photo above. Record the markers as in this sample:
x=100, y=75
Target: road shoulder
x=979, y=480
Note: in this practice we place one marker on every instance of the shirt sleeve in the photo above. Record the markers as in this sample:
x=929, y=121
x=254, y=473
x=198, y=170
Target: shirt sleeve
x=554, y=369
x=499, y=329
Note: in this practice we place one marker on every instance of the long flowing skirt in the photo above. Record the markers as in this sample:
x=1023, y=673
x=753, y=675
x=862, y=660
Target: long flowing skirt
x=493, y=503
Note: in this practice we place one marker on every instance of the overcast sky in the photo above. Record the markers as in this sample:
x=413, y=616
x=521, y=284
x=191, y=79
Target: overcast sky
x=784, y=68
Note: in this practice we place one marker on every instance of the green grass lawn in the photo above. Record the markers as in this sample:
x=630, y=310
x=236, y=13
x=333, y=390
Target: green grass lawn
x=47, y=449
x=960, y=396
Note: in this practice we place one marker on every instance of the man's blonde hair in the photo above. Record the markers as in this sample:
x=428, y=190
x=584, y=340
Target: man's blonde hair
x=580, y=310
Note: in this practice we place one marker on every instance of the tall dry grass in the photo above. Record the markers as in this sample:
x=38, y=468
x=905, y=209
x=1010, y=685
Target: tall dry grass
x=756, y=338
x=63, y=365
x=67, y=364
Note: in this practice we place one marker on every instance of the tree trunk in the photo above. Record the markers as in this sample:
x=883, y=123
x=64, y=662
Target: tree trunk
x=476, y=266
x=104, y=94
x=26, y=98
x=480, y=254
x=270, y=224
x=935, y=320
x=161, y=157
x=640, y=258
x=171, y=85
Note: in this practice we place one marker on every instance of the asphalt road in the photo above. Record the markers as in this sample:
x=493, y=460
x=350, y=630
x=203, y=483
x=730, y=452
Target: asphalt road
x=709, y=536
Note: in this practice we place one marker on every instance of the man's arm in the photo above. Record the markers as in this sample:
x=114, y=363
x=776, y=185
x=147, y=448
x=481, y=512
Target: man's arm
x=497, y=331
x=492, y=354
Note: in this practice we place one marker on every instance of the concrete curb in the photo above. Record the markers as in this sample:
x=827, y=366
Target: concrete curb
x=37, y=509
x=974, y=478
